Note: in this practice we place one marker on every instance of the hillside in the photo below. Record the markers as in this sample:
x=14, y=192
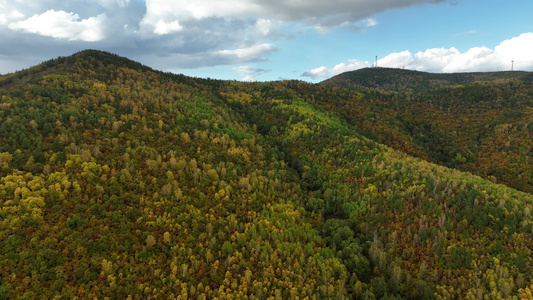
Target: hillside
x=484, y=127
x=400, y=80
x=120, y=181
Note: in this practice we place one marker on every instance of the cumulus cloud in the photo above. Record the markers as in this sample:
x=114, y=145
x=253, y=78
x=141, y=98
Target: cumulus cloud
x=519, y=49
x=162, y=27
x=207, y=28
x=443, y=60
x=253, y=53
x=181, y=33
x=5, y=18
x=249, y=73
x=249, y=78
x=63, y=25
x=323, y=71
x=371, y=22
x=320, y=72
x=192, y=60
x=243, y=69
x=268, y=28
x=322, y=15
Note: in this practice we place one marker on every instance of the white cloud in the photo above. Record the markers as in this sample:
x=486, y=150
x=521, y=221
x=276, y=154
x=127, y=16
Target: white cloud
x=193, y=60
x=249, y=73
x=243, y=69
x=249, y=78
x=323, y=71
x=253, y=53
x=265, y=27
x=180, y=33
x=403, y=58
x=63, y=25
x=342, y=67
x=162, y=27
x=477, y=58
x=438, y=60
x=518, y=49
x=317, y=73
x=321, y=15
x=371, y=22
x=13, y=15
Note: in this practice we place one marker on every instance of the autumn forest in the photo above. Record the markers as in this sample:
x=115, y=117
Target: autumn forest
x=120, y=181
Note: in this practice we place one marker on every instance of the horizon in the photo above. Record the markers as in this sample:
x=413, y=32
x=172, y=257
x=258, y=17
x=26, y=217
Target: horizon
x=259, y=81
x=261, y=41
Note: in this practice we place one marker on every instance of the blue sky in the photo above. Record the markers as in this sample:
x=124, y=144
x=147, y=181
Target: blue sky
x=261, y=40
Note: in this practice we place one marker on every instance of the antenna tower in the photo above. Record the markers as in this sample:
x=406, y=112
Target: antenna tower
x=512, y=65
x=376, y=64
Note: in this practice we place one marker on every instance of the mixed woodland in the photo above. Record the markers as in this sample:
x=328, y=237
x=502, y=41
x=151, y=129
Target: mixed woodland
x=124, y=182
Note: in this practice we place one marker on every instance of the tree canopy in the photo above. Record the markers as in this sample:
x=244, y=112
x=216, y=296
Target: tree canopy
x=124, y=182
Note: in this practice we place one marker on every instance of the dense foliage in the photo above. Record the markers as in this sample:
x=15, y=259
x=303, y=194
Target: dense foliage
x=400, y=80
x=119, y=181
x=484, y=127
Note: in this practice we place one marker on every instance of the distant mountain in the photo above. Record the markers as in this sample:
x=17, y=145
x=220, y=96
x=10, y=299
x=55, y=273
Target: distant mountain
x=476, y=122
x=390, y=79
x=119, y=181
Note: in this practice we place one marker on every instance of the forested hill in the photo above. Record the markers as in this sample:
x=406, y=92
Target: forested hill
x=484, y=127
x=124, y=182
x=400, y=80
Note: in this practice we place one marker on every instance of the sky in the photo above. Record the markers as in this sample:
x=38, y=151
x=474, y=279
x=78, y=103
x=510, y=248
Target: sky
x=264, y=40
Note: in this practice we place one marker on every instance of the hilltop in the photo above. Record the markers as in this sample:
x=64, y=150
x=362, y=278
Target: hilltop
x=476, y=122
x=121, y=181
x=400, y=80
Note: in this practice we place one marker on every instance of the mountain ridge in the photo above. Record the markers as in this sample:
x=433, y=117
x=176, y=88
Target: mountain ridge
x=392, y=79
x=121, y=182
x=458, y=123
